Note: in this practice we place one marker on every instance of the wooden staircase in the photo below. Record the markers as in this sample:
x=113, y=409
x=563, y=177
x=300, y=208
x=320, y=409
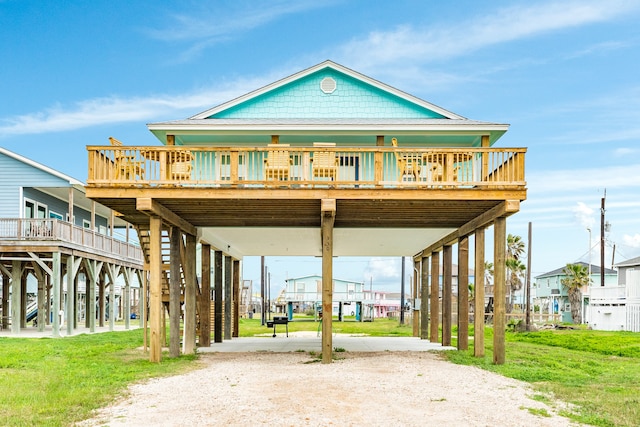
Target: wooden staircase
x=165, y=245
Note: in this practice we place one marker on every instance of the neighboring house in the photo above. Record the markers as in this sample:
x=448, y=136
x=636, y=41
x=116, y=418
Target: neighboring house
x=325, y=162
x=552, y=297
x=305, y=292
x=616, y=307
x=54, y=243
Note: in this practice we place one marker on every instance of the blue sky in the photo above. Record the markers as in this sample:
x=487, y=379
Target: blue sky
x=563, y=74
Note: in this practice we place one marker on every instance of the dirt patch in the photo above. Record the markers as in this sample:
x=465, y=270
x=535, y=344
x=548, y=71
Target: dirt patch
x=285, y=389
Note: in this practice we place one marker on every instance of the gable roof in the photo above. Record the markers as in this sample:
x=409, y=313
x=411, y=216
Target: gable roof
x=326, y=65
x=72, y=181
x=631, y=262
x=358, y=107
x=595, y=269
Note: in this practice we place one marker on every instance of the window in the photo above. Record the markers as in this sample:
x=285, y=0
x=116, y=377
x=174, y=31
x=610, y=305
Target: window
x=55, y=215
x=86, y=223
x=33, y=209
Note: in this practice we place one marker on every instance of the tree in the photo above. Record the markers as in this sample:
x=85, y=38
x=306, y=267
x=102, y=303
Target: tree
x=576, y=277
x=515, y=276
x=515, y=247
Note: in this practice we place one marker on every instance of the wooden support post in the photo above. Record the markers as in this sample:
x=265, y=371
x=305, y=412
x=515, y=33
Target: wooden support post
x=328, y=211
x=217, y=289
x=16, y=296
x=127, y=298
x=5, y=300
x=41, y=297
x=205, y=297
x=57, y=287
x=175, y=279
x=71, y=294
x=435, y=296
x=155, y=289
x=190, y=314
x=228, y=274
x=478, y=301
x=236, y=298
x=112, y=296
x=463, y=293
x=424, y=300
x=447, y=266
x=415, y=308
x=23, y=299
x=499, y=289
x=101, y=300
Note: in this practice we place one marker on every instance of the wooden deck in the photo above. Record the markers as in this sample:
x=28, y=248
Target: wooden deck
x=19, y=235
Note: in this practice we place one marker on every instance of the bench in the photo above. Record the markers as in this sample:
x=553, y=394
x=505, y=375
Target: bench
x=278, y=320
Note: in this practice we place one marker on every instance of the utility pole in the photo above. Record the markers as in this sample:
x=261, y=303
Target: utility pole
x=402, y=293
x=602, y=240
x=528, y=287
x=262, y=290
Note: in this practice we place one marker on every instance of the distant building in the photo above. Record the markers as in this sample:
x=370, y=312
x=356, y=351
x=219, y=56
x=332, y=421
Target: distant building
x=551, y=295
x=616, y=307
x=304, y=293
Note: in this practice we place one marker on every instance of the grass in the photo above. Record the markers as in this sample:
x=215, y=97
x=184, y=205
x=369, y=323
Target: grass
x=380, y=327
x=597, y=372
x=55, y=382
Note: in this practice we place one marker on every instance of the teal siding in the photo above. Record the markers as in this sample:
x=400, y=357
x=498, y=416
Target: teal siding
x=303, y=99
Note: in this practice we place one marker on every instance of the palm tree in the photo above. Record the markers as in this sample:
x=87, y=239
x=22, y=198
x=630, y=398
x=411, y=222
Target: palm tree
x=515, y=247
x=577, y=276
x=515, y=275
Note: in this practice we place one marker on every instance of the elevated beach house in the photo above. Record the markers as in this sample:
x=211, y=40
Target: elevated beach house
x=326, y=162
x=54, y=237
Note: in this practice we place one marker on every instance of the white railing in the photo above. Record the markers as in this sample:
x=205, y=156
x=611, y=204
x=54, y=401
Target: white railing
x=22, y=229
x=606, y=293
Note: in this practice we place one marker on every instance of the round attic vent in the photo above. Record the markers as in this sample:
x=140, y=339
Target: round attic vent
x=328, y=85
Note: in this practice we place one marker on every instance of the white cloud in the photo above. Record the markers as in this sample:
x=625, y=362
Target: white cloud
x=567, y=180
x=584, y=215
x=383, y=269
x=632, y=241
x=109, y=110
x=215, y=23
x=405, y=44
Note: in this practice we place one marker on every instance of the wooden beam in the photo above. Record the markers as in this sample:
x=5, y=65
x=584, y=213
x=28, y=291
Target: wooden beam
x=236, y=298
x=328, y=220
x=190, y=315
x=499, y=289
x=217, y=289
x=16, y=296
x=205, y=297
x=152, y=208
x=478, y=301
x=227, y=297
x=70, y=294
x=175, y=279
x=415, y=293
x=155, y=289
x=57, y=289
x=435, y=296
x=506, y=208
x=447, y=276
x=424, y=299
x=41, y=263
x=463, y=293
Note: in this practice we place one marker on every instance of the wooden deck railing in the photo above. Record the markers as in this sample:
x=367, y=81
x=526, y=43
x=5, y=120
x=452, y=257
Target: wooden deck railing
x=52, y=230
x=307, y=167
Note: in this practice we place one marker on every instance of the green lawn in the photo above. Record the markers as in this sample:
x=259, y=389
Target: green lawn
x=56, y=382
x=597, y=371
